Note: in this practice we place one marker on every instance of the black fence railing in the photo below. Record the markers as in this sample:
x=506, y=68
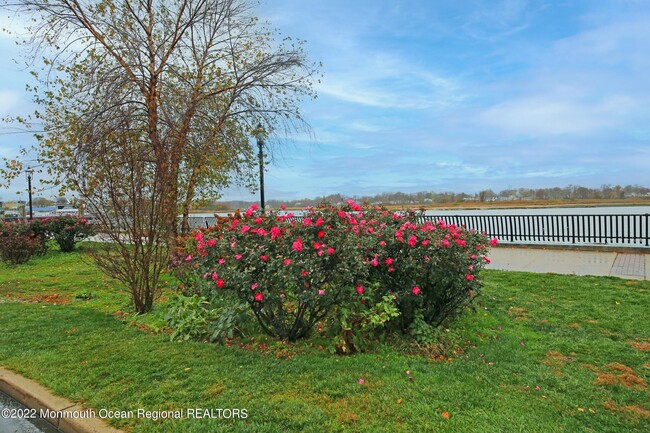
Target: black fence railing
x=611, y=229
x=201, y=222
x=629, y=229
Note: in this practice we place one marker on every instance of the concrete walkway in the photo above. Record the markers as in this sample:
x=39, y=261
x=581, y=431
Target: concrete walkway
x=632, y=265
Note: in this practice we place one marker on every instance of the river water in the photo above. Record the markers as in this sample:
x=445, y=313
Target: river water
x=599, y=210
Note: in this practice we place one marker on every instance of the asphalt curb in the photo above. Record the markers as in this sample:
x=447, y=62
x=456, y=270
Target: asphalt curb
x=34, y=396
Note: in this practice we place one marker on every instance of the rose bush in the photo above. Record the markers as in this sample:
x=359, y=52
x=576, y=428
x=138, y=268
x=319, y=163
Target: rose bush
x=20, y=240
x=67, y=231
x=339, y=262
x=290, y=272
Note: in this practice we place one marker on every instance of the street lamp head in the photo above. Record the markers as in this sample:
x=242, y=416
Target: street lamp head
x=29, y=173
x=259, y=134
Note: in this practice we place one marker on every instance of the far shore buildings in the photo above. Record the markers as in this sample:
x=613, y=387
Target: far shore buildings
x=20, y=209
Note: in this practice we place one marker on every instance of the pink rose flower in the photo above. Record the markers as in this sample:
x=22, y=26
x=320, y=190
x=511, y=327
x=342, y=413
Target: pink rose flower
x=259, y=296
x=415, y=290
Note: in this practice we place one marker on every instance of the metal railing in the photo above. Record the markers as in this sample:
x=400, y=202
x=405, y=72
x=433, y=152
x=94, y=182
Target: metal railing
x=201, y=222
x=629, y=229
x=611, y=229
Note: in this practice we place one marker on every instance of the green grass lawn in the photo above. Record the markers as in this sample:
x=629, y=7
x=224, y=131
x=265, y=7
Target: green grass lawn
x=542, y=353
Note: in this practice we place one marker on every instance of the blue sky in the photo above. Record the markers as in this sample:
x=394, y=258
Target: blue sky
x=454, y=96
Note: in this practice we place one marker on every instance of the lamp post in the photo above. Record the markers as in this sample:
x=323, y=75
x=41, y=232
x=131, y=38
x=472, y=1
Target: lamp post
x=259, y=136
x=30, y=173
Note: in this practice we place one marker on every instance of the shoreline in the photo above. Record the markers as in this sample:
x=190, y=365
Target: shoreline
x=476, y=205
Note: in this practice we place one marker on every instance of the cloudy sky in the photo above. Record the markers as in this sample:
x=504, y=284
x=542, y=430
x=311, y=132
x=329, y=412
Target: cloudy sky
x=433, y=95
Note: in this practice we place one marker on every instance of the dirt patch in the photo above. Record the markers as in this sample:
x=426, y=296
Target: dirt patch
x=635, y=410
x=215, y=390
x=348, y=418
x=622, y=376
x=641, y=346
x=619, y=367
x=517, y=313
x=52, y=298
x=627, y=380
x=556, y=359
x=574, y=326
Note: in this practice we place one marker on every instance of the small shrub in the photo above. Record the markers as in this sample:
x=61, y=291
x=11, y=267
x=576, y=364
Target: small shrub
x=229, y=322
x=188, y=317
x=353, y=326
x=85, y=295
x=192, y=317
x=18, y=243
x=67, y=231
x=37, y=229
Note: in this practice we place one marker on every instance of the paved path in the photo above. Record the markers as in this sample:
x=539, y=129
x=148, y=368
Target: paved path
x=600, y=263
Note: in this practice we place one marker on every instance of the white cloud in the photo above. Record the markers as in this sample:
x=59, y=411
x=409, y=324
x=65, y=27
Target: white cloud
x=385, y=80
x=9, y=101
x=492, y=20
x=550, y=115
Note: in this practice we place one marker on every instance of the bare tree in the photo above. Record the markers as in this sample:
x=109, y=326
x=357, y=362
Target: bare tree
x=199, y=75
x=148, y=105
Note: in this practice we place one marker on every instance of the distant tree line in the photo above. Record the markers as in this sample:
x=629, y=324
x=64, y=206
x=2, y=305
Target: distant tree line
x=571, y=192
